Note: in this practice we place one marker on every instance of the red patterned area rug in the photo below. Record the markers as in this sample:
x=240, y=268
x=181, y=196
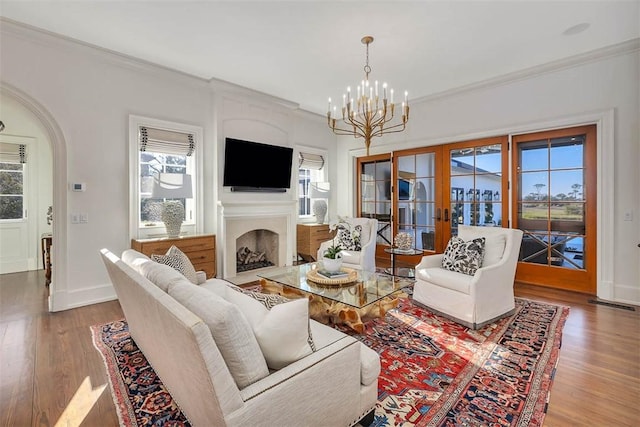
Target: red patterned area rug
x=434, y=371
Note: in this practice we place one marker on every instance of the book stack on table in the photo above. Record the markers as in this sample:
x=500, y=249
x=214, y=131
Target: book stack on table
x=332, y=274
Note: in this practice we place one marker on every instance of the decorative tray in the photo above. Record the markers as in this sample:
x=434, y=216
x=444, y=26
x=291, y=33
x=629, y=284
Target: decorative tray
x=314, y=276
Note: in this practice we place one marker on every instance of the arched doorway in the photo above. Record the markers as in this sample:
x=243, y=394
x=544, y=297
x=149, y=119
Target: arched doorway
x=53, y=134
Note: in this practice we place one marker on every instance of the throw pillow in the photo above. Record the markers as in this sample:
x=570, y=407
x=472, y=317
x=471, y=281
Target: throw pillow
x=463, y=257
x=282, y=332
x=230, y=330
x=178, y=260
x=350, y=240
x=270, y=301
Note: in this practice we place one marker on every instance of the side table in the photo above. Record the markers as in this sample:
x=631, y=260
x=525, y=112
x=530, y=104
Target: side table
x=401, y=271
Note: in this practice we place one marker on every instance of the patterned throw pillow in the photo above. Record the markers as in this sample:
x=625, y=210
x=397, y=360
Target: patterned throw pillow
x=350, y=240
x=270, y=301
x=463, y=257
x=178, y=260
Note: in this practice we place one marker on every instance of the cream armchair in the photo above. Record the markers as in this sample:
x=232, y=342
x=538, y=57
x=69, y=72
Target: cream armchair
x=364, y=259
x=477, y=300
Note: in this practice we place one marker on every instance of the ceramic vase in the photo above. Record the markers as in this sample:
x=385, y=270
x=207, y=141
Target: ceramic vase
x=332, y=265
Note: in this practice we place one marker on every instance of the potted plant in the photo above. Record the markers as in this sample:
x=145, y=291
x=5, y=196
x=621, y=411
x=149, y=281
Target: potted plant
x=332, y=257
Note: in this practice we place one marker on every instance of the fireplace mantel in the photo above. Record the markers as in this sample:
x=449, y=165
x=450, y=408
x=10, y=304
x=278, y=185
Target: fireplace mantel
x=239, y=217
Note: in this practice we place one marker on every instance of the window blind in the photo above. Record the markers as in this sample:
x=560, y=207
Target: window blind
x=166, y=141
x=13, y=153
x=310, y=161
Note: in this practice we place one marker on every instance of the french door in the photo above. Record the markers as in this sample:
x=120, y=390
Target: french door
x=555, y=205
x=428, y=191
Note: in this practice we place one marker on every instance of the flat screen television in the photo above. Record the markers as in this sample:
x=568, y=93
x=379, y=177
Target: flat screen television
x=254, y=166
x=404, y=189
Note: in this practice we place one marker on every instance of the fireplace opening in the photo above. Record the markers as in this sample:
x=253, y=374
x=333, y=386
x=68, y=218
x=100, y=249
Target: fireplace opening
x=256, y=249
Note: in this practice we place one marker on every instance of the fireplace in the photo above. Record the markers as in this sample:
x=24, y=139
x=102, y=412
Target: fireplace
x=256, y=249
x=267, y=227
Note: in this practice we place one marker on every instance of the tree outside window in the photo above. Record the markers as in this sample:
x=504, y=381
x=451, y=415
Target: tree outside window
x=151, y=164
x=11, y=191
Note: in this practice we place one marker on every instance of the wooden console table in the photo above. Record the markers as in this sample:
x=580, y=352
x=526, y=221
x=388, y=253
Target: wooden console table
x=201, y=250
x=309, y=238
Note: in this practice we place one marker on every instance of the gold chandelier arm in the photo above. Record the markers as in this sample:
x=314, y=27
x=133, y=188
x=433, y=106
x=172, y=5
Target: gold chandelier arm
x=342, y=131
x=393, y=129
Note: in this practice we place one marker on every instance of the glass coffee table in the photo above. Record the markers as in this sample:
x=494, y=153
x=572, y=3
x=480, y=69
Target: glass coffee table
x=370, y=295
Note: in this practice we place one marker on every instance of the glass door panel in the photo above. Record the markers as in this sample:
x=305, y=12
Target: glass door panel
x=555, y=207
x=416, y=196
x=374, y=197
x=476, y=184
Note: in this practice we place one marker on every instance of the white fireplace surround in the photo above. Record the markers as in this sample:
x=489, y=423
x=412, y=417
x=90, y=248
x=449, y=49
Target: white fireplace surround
x=238, y=218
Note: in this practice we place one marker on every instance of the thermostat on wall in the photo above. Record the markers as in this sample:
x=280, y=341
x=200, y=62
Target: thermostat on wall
x=79, y=186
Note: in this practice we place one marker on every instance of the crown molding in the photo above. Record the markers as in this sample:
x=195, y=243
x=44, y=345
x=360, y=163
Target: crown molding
x=63, y=43
x=595, y=55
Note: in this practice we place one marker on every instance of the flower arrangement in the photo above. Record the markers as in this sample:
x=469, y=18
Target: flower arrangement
x=332, y=251
x=345, y=236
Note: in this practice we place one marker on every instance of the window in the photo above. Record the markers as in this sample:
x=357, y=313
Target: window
x=12, y=164
x=311, y=168
x=162, y=147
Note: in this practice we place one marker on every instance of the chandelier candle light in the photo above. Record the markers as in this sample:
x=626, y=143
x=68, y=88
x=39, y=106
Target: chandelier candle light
x=368, y=115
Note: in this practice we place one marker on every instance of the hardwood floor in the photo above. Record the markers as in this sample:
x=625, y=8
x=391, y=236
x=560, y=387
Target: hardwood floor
x=50, y=373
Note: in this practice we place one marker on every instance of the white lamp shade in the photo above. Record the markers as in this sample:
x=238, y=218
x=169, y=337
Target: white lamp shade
x=172, y=186
x=319, y=190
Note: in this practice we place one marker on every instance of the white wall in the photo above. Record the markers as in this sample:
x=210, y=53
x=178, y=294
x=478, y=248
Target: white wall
x=608, y=81
x=89, y=94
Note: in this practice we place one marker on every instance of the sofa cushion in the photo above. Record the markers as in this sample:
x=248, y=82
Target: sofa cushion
x=369, y=365
x=282, y=332
x=494, y=249
x=495, y=242
x=159, y=274
x=463, y=257
x=270, y=301
x=135, y=259
x=229, y=328
x=351, y=257
x=446, y=279
x=324, y=335
x=176, y=259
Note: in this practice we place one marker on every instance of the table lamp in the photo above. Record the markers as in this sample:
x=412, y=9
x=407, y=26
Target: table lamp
x=172, y=186
x=321, y=192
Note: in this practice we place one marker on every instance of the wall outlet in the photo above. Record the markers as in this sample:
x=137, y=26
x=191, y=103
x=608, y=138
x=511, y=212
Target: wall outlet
x=75, y=218
x=628, y=216
x=84, y=218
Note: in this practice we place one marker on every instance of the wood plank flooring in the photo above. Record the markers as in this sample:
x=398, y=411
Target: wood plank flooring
x=51, y=375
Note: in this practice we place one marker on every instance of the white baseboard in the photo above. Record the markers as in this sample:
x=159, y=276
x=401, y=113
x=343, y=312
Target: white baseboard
x=65, y=300
x=627, y=294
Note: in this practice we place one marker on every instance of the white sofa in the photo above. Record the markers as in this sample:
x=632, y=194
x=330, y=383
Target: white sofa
x=476, y=300
x=334, y=385
x=364, y=259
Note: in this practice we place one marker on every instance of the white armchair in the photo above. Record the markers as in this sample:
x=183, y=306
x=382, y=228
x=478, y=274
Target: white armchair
x=477, y=300
x=364, y=259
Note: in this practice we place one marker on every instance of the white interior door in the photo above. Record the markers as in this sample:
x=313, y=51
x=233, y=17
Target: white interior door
x=19, y=244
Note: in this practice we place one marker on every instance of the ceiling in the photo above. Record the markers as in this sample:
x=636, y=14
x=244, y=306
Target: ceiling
x=307, y=51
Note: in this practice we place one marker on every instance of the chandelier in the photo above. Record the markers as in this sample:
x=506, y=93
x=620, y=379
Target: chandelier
x=369, y=114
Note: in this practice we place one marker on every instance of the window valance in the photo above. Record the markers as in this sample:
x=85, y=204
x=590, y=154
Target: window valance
x=310, y=161
x=13, y=153
x=166, y=141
